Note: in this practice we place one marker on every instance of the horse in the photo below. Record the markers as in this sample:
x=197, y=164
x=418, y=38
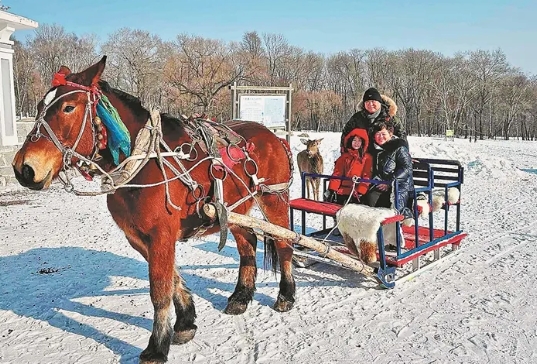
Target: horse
x=153, y=218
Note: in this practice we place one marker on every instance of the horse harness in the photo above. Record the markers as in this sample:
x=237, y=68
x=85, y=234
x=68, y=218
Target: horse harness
x=222, y=146
x=218, y=141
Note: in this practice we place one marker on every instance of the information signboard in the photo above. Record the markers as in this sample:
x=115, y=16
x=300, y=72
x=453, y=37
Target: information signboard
x=268, y=110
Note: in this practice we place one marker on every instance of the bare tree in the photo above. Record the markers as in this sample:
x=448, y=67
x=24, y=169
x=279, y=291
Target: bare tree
x=200, y=68
x=346, y=76
x=252, y=43
x=410, y=80
x=512, y=90
x=276, y=48
x=192, y=74
x=23, y=68
x=454, y=83
x=487, y=67
x=52, y=47
x=378, y=68
x=135, y=63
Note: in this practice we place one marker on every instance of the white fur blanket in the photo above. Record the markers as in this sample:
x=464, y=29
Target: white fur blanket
x=438, y=199
x=362, y=222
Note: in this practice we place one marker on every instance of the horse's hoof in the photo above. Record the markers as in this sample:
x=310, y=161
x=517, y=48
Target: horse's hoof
x=235, y=308
x=152, y=361
x=149, y=357
x=283, y=305
x=182, y=337
x=142, y=361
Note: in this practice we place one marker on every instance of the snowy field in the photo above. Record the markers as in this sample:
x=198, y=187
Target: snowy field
x=73, y=291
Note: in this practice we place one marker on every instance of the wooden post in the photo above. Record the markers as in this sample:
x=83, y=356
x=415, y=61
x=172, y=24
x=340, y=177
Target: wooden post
x=283, y=233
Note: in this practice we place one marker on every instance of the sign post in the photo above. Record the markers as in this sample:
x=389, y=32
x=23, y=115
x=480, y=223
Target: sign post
x=270, y=106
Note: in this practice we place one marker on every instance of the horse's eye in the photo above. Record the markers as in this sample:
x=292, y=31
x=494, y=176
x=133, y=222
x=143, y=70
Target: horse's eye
x=68, y=109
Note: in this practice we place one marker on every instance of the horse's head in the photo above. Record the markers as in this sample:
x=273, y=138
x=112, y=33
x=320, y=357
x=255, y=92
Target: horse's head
x=65, y=130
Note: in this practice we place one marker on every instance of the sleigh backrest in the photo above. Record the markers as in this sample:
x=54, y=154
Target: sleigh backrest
x=445, y=172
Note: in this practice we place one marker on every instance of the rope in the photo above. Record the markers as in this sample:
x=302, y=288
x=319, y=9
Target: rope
x=355, y=181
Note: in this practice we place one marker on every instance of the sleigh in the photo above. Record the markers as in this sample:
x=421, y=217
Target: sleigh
x=433, y=234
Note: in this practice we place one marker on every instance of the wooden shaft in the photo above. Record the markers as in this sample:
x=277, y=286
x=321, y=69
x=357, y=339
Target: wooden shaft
x=283, y=233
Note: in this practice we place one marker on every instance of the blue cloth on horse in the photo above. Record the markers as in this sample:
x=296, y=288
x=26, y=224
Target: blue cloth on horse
x=118, y=135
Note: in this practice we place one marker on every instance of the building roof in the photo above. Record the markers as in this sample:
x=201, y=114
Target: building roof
x=15, y=21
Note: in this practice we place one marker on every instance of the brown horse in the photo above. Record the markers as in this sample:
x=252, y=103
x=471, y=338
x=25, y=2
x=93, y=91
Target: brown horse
x=154, y=218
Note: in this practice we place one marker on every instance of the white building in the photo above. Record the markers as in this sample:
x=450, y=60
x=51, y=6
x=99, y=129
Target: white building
x=8, y=24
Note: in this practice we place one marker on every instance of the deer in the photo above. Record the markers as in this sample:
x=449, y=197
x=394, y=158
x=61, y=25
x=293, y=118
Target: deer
x=311, y=161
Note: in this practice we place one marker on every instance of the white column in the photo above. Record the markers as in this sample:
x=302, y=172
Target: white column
x=8, y=24
x=8, y=126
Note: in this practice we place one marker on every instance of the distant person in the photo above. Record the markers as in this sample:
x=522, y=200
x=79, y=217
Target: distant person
x=392, y=161
x=373, y=109
x=355, y=161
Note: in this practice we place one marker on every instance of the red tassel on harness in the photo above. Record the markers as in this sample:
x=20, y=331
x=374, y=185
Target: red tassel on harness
x=58, y=80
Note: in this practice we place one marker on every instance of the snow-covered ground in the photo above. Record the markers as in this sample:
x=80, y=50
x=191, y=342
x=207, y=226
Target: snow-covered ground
x=73, y=291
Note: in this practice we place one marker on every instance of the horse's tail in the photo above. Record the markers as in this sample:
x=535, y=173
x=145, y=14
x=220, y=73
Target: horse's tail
x=271, y=258
x=271, y=255
x=287, y=148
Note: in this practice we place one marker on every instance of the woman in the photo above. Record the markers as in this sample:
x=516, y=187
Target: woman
x=392, y=161
x=373, y=109
x=355, y=161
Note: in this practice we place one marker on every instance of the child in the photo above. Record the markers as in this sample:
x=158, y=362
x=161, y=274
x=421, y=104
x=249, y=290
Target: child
x=392, y=161
x=354, y=161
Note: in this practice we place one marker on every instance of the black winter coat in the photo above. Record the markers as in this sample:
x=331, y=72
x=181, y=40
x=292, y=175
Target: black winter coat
x=361, y=121
x=393, y=161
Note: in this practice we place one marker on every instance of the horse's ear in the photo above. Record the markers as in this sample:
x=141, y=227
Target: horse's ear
x=64, y=70
x=93, y=73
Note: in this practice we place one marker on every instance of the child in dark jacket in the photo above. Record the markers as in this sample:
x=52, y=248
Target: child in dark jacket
x=392, y=161
x=355, y=161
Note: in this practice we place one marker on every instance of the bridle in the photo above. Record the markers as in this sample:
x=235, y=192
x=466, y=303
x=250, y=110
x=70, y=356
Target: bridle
x=69, y=152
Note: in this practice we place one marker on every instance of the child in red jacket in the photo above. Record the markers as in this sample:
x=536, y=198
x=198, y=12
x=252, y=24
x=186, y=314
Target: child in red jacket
x=355, y=161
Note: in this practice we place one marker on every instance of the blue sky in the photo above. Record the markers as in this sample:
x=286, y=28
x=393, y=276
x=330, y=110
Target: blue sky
x=325, y=26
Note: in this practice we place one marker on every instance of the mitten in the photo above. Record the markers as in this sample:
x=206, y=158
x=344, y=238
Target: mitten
x=329, y=196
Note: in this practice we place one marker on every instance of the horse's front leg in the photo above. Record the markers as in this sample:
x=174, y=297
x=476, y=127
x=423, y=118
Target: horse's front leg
x=244, y=291
x=185, y=312
x=161, y=257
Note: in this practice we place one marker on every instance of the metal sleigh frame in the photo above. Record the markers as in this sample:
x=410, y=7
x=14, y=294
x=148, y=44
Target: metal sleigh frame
x=418, y=240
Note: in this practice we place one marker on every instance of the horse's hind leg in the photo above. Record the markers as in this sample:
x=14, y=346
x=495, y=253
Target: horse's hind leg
x=286, y=296
x=244, y=291
x=277, y=211
x=161, y=257
x=185, y=311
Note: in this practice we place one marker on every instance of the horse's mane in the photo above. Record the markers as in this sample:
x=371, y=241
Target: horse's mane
x=134, y=103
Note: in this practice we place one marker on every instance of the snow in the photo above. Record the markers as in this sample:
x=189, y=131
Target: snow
x=73, y=291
